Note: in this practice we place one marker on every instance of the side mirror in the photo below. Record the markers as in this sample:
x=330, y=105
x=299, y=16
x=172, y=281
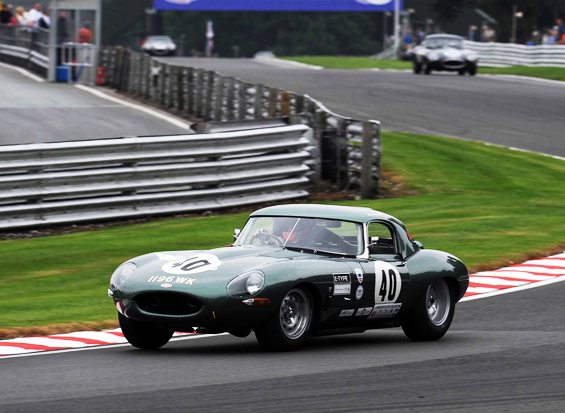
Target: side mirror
x=419, y=244
x=236, y=233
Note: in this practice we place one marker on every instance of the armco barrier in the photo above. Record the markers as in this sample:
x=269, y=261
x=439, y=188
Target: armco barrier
x=349, y=149
x=54, y=183
x=504, y=54
x=25, y=47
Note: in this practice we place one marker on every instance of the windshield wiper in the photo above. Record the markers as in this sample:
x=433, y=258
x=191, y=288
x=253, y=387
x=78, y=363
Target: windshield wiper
x=316, y=251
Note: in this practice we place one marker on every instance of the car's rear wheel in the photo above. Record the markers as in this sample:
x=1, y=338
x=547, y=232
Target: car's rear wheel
x=432, y=313
x=289, y=327
x=144, y=335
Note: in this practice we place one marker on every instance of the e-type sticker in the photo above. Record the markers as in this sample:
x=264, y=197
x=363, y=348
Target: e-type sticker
x=193, y=265
x=342, y=284
x=346, y=313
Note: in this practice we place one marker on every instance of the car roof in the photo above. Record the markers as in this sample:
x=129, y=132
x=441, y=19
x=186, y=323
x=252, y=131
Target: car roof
x=444, y=36
x=346, y=213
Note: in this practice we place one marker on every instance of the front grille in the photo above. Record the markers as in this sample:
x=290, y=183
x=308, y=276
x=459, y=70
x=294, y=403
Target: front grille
x=167, y=303
x=453, y=64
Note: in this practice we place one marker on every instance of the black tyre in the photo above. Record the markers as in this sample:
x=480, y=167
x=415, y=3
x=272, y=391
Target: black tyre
x=461, y=72
x=432, y=313
x=417, y=67
x=427, y=68
x=289, y=327
x=144, y=335
x=472, y=69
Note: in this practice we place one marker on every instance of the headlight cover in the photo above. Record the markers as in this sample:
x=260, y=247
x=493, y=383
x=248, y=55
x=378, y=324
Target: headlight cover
x=121, y=274
x=434, y=56
x=247, y=284
x=472, y=56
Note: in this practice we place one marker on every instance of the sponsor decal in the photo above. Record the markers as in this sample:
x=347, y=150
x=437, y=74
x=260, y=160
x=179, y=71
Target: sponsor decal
x=342, y=284
x=385, y=310
x=168, y=281
x=359, y=292
x=372, y=2
x=359, y=274
x=387, y=283
x=193, y=265
x=346, y=313
x=363, y=311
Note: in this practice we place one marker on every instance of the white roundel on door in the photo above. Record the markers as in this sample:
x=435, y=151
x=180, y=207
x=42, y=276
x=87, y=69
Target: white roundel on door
x=387, y=282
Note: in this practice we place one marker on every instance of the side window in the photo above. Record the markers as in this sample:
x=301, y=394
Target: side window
x=381, y=240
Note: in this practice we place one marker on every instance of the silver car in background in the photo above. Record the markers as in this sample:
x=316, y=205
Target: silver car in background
x=444, y=52
x=159, y=46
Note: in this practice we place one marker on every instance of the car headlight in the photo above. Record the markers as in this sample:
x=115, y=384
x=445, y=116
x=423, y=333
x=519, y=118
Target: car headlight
x=248, y=283
x=472, y=56
x=121, y=274
x=433, y=56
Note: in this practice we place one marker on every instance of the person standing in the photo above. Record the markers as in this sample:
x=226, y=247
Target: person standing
x=5, y=14
x=85, y=33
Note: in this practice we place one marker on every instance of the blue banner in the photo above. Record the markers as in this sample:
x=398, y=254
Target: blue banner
x=276, y=5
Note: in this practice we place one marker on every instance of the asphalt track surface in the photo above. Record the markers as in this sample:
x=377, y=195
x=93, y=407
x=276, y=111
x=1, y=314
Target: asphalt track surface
x=504, y=353
x=522, y=113
x=35, y=112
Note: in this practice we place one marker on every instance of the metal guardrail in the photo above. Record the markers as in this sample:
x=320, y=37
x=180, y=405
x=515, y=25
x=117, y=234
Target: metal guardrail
x=504, y=54
x=54, y=183
x=25, y=47
x=200, y=94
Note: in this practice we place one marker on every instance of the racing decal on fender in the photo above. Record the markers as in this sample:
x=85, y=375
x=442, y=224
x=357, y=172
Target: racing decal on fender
x=342, y=284
x=346, y=313
x=387, y=283
x=193, y=265
x=363, y=311
x=359, y=292
x=167, y=281
x=385, y=310
x=359, y=274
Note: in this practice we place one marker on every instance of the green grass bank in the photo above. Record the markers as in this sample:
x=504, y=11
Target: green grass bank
x=485, y=204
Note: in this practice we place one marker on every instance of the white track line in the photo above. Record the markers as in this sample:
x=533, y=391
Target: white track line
x=24, y=72
x=155, y=113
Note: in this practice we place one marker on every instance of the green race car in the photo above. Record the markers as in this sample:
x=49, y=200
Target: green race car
x=293, y=271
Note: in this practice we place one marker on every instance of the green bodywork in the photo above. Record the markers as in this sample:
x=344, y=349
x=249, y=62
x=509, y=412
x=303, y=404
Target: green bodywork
x=345, y=289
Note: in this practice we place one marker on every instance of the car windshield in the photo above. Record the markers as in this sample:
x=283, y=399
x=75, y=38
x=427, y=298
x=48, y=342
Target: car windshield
x=441, y=42
x=316, y=234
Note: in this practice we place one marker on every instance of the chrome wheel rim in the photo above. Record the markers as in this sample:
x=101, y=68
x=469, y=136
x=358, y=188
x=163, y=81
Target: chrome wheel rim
x=295, y=314
x=438, y=302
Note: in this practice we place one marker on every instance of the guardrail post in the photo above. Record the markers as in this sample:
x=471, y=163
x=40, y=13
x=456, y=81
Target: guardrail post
x=230, y=98
x=272, y=104
x=369, y=162
x=219, y=99
x=242, y=100
x=171, y=84
x=285, y=103
x=209, y=94
x=258, y=102
x=199, y=89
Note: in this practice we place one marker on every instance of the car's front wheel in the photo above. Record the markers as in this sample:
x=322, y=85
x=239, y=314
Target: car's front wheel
x=144, y=335
x=417, y=66
x=472, y=69
x=427, y=67
x=289, y=327
x=432, y=313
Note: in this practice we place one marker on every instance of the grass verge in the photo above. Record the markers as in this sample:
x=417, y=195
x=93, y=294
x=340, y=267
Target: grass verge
x=487, y=205
x=354, y=62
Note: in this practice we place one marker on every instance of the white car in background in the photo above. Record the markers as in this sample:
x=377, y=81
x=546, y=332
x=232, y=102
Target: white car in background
x=444, y=52
x=159, y=46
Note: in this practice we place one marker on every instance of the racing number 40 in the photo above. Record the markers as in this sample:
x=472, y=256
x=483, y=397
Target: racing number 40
x=387, y=290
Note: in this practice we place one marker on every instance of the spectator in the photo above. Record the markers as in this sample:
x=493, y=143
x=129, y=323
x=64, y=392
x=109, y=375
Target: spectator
x=420, y=35
x=44, y=21
x=62, y=28
x=560, y=28
x=85, y=34
x=20, y=18
x=488, y=34
x=472, y=33
x=5, y=14
x=34, y=15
